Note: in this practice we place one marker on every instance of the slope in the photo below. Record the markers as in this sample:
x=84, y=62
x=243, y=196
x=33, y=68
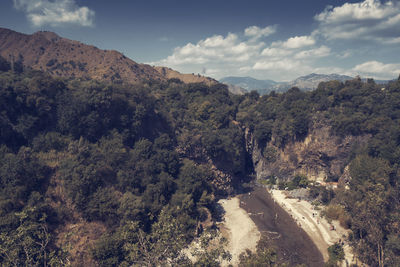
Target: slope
x=61, y=57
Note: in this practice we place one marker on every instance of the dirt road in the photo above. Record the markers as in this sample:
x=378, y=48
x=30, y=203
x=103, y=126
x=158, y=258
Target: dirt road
x=292, y=244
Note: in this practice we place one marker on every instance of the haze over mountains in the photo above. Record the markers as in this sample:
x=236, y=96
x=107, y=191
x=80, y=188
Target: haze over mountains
x=61, y=57
x=241, y=85
x=248, y=83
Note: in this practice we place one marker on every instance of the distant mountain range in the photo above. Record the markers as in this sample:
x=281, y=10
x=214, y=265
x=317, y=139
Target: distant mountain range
x=312, y=80
x=62, y=57
x=241, y=85
x=248, y=83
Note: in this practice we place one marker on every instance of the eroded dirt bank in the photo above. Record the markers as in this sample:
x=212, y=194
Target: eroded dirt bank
x=292, y=244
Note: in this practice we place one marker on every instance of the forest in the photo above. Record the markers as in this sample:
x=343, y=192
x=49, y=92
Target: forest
x=132, y=162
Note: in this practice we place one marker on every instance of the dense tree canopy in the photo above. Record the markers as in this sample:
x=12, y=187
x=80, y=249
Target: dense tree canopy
x=136, y=160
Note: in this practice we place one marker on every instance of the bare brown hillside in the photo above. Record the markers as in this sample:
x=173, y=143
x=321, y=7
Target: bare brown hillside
x=186, y=78
x=62, y=57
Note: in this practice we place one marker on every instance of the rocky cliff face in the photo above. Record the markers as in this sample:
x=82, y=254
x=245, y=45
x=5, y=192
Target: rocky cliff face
x=319, y=156
x=220, y=180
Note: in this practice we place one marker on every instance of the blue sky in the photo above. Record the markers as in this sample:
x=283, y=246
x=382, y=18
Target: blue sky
x=277, y=40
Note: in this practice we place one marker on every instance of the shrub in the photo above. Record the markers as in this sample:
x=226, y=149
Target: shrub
x=336, y=254
x=337, y=212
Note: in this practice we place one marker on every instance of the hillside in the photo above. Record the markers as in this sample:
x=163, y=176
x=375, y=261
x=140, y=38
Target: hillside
x=340, y=144
x=310, y=82
x=115, y=175
x=61, y=57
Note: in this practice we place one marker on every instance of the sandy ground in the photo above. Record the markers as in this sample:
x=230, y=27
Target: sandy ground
x=241, y=230
x=319, y=229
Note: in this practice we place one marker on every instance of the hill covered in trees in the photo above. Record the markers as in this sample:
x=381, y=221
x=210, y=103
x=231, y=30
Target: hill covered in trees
x=368, y=198
x=115, y=174
x=106, y=173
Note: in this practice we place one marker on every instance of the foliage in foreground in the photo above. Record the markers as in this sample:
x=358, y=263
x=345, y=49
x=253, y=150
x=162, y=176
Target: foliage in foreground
x=112, y=149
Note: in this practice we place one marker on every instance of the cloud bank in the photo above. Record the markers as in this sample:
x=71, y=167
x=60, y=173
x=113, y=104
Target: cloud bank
x=258, y=52
x=245, y=53
x=55, y=13
x=376, y=67
x=368, y=20
x=256, y=32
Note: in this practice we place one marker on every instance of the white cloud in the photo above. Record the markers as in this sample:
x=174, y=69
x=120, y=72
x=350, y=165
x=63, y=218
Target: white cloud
x=393, y=41
x=245, y=54
x=344, y=54
x=283, y=64
x=219, y=41
x=257, y=32
x=322, y=51
x=284, y=69
x=55, y=13
x=369, y=9
x=296, y=42
x=368, y=20
x=215, y=49
x=275, y=52
x=319, y=52
x=377, y=70
x=330, y=70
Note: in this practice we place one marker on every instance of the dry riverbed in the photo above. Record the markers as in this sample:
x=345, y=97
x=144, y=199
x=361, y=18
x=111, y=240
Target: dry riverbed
x=292, y=244
x=292, y=227
x=238, y=228
x=322, y=233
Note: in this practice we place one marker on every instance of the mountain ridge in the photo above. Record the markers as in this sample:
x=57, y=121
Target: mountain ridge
x=311, y=81
x=62, y=57
x=248, y=83
x=306, y=82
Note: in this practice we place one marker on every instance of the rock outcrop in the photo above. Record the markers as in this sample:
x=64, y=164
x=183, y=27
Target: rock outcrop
x=220, y=180
x=320, y=156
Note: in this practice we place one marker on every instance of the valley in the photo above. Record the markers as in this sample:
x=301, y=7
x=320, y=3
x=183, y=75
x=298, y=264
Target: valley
x=109, y=162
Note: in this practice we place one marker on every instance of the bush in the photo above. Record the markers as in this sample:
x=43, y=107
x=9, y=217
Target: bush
x=48, y=141
x=108, y=250
x=51, y=62
x=333, y=212
x=337, y=212
x=4, y=64
x=270, y=154
x=263, y=132
x=345, y=220
x=336, y=254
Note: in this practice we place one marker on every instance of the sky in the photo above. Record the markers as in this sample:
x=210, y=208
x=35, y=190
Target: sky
x=277, y=40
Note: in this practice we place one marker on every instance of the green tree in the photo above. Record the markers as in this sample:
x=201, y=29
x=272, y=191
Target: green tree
x=264, y=256
x=211, y=250
x=336, y=255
